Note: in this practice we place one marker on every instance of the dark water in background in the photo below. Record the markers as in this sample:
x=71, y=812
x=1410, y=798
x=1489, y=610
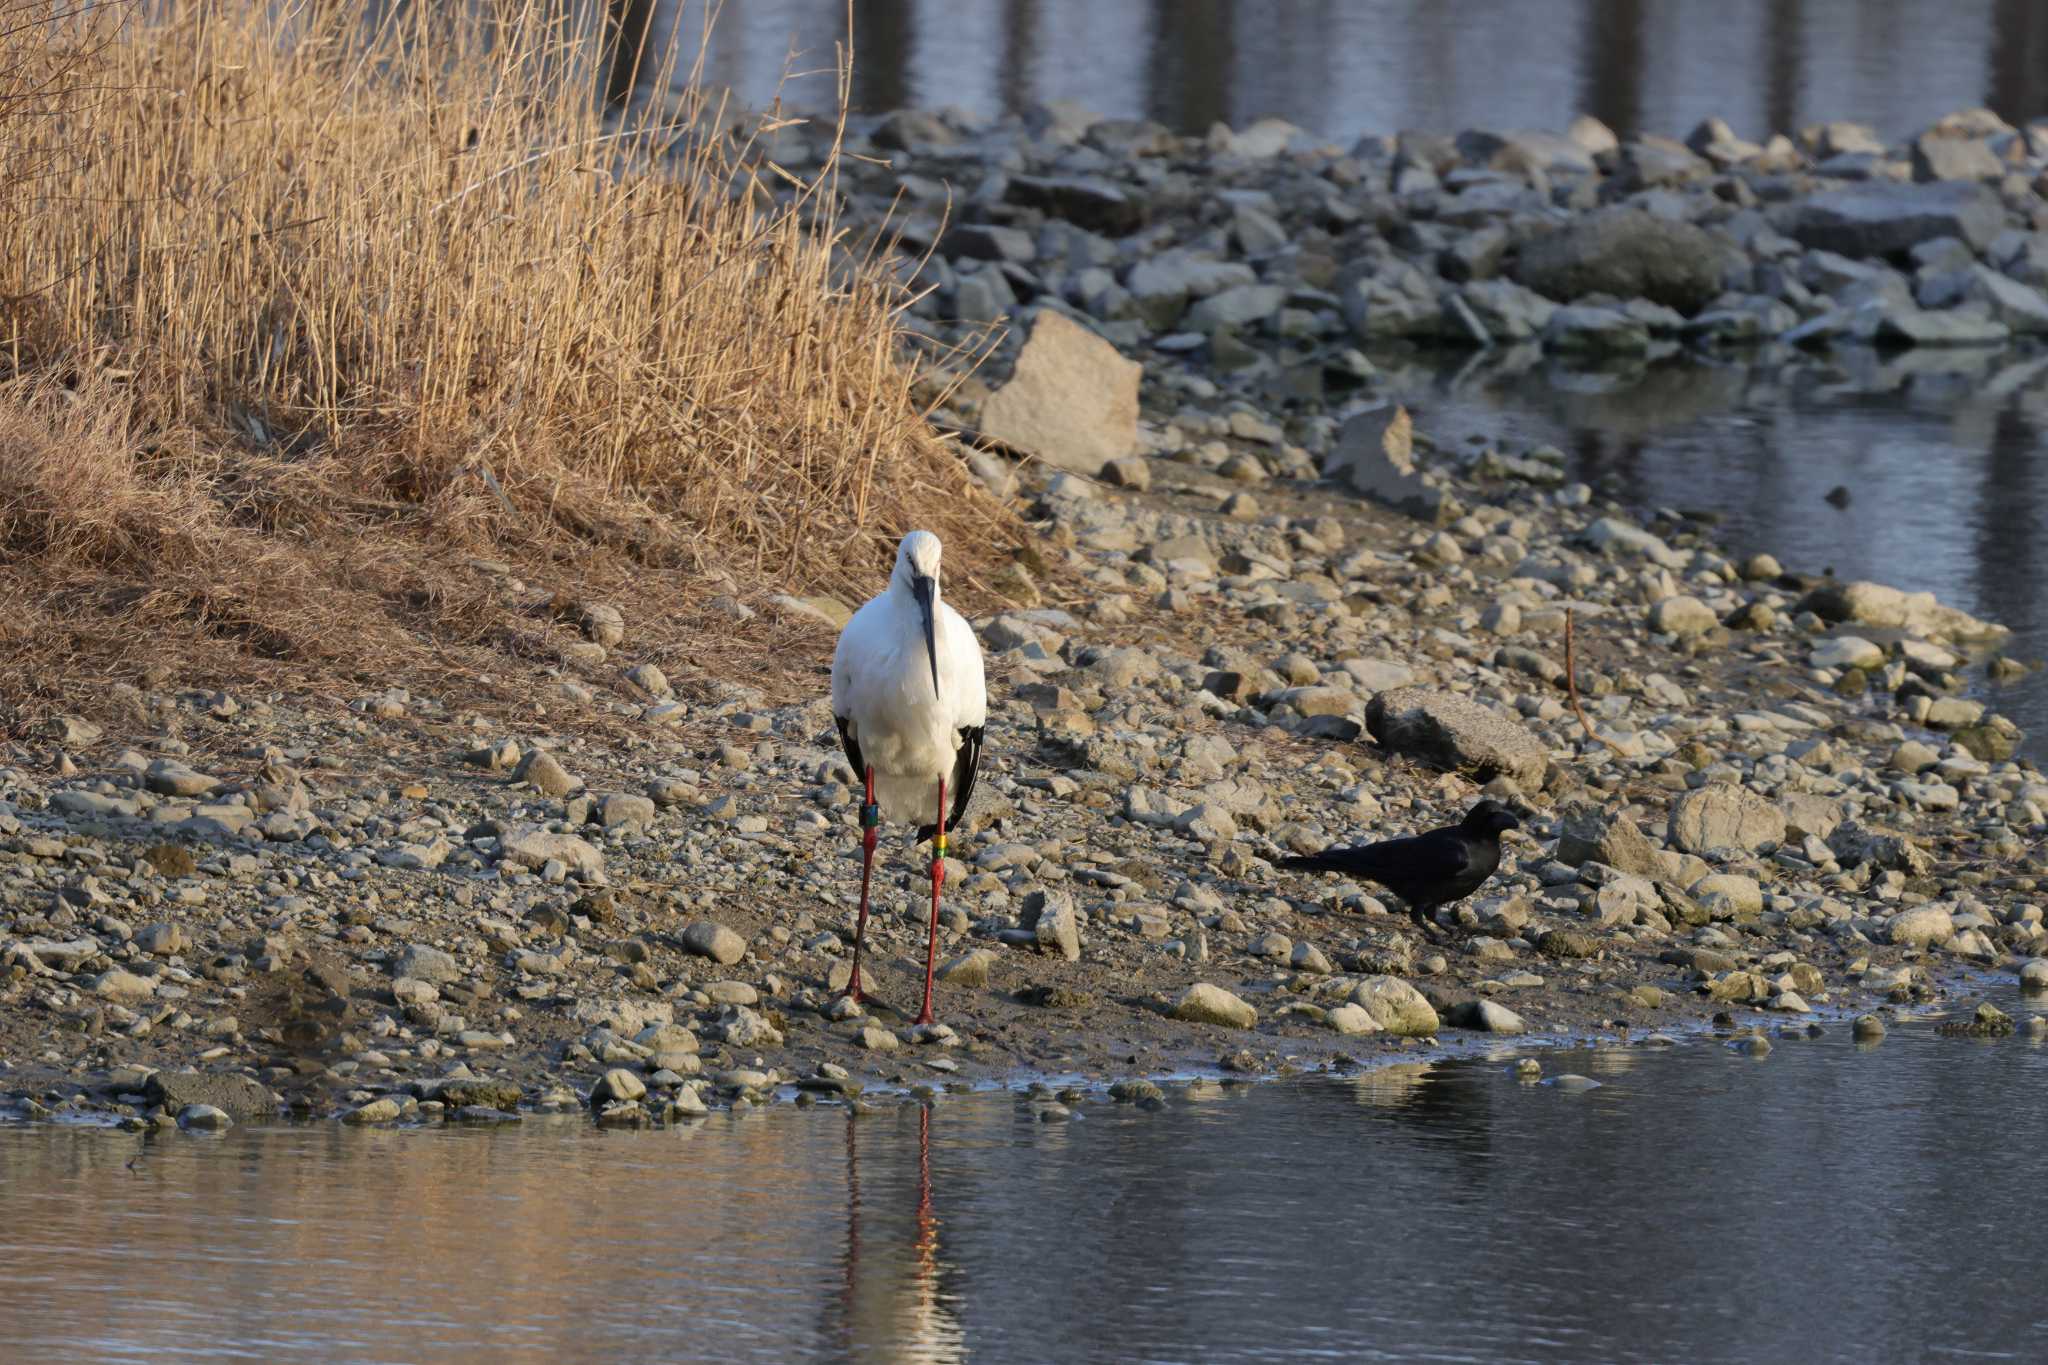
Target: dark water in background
x=1825, y=1203
x=1943, y=455
x=1348, y=67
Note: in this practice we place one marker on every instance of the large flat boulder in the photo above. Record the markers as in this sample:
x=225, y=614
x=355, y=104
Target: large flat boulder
x=1072, y=401
x=1629, y=254
x=1450, y=731
x=1874, y=604
x=242, y=1097
x=1885, y=218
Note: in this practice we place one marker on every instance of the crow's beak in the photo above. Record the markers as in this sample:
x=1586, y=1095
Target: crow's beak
x=924, y=589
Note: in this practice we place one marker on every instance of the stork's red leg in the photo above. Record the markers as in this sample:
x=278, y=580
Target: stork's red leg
x=870, y=822
x=931, y=942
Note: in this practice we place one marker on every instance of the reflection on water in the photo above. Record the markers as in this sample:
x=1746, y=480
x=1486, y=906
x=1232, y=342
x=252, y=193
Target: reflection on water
x=1827, y=1202
x=1346, y=67
x=1943, y=455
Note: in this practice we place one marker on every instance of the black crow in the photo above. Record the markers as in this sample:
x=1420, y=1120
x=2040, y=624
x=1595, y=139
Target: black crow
x=1429, y=870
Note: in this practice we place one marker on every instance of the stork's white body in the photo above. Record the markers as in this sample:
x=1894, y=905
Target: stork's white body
x=882, y=685
x=910, y=700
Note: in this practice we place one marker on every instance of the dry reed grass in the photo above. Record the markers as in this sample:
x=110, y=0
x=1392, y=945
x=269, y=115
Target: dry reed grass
x=305, y=315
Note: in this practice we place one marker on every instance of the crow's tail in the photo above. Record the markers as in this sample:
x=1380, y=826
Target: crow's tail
x=1374, y=862
x=1315, y=862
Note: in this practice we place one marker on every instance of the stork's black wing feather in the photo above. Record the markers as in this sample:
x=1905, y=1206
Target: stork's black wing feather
x=966, y=764
x=852, y=747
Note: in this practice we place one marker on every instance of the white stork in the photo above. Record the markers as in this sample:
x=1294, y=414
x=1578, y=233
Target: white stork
x=908, y=693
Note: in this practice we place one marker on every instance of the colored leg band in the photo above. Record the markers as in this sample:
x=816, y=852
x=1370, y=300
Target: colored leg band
x=870, y=815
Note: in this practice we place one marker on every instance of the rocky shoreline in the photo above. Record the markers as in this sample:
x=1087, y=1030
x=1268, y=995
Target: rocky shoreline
x=1257, y=619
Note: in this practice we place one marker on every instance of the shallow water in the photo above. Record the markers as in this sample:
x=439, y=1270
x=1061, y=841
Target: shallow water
x=1347, y=67
x=1828, y=1202
x=1943, y=457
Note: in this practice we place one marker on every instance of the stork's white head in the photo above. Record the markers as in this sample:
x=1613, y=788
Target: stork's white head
x=917, y=576
x=917, y=557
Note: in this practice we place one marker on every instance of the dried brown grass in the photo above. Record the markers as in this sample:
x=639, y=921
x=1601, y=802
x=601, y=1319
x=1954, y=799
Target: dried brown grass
x=303, y=317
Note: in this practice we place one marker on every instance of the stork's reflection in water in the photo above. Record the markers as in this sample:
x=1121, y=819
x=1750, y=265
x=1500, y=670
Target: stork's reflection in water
x=891, y=1305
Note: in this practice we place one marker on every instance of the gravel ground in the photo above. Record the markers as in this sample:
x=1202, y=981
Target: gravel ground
x=646, y=904
x=1251, y=625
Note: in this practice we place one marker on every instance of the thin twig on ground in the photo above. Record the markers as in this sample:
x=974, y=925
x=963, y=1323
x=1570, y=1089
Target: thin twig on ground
x=1571, y=684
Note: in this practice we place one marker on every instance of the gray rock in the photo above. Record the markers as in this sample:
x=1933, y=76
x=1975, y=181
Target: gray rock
x=708, y=938
x=160, y=940
x=1970, y=325
x=1072, y=401
x=1936, y=157
x=2020, y=308
x=969, y=970
x=533, y=847
x=1682, y=616
x=1615, y=537
x=1628, y=254
x=1396, y=1006
x=123, y=985
x=1883, y=218
x=988, y=242
x=601, y=623
x=1236, y=308
x=624, y=810
x=1846, y=651
x=1593, y=835
x=384, y=1110
x=1723, y=816
x=1350, y=1020
x=169, y=777
x=1487, y=1017
x=1374, y=453
x=422, y=963
x=204, y=1118
x=241, y=1097
x=1057, y=927
x=1162, y=286
x=1587, y=330
x=1875, y=604
x=540, y=770
x=1083, y=201
x=1203, y=1003
x=616, y=1085
x=1451, y=731
x=1924, y=926
x=1508, y=311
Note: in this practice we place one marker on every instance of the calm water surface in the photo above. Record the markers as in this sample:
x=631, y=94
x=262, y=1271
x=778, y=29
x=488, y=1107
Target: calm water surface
x=1349, y=67
x=1829, y=1202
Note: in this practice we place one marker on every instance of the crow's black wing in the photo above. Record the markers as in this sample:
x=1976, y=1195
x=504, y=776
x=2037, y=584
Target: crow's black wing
x=852, y=747
x=966, y=764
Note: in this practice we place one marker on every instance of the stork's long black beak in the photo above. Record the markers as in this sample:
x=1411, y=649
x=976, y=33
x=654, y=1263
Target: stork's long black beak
x=925, y=590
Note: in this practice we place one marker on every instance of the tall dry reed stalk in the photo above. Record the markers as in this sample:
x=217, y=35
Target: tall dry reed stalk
x=395, y=290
